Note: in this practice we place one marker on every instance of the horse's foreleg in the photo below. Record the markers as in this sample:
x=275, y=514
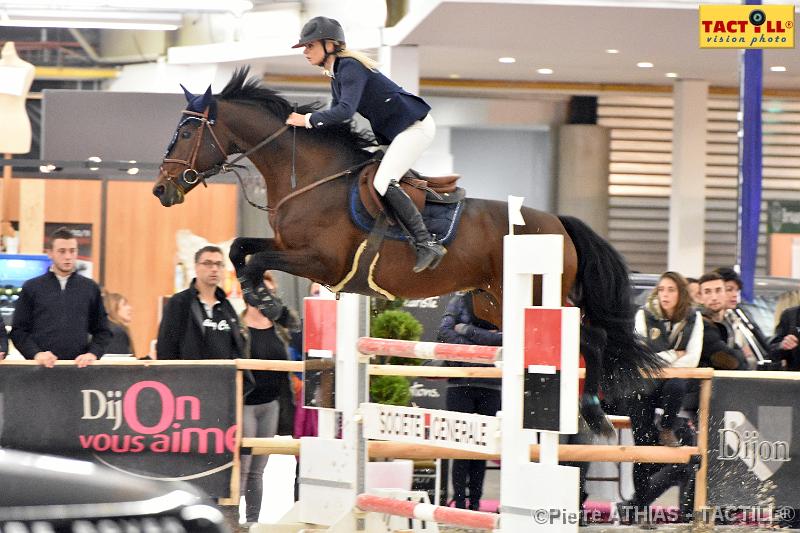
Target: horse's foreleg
x=592, y=342
x=251, y=275
x=263, y=256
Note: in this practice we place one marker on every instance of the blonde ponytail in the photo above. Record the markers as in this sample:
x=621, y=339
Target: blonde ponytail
x=361, y=57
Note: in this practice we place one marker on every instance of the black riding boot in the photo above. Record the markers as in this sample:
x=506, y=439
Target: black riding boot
x=429, y=253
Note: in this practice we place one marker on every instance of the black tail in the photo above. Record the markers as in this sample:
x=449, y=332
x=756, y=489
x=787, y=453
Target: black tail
x=602, y=290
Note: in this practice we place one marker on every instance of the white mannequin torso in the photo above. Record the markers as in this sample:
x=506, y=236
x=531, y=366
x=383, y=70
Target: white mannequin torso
x=16, y=77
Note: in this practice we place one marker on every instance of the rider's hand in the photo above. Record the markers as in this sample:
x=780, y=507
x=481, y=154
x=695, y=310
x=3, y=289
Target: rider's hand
x=296, y=119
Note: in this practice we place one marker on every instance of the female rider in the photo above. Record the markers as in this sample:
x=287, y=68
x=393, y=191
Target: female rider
x=398, y=118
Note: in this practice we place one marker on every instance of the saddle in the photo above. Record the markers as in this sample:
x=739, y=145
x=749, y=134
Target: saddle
x=421, y=190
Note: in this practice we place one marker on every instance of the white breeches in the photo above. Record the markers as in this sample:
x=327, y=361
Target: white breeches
x=404, y=152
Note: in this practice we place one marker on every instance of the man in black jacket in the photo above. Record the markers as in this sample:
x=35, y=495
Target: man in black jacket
x=720, y=350
x=200, y=322
x=785, y=345
x=60, y=314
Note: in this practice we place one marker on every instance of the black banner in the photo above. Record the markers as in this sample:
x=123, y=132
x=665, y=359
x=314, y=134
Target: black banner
x=160, y=422
x=752, y=450
x=425, y=392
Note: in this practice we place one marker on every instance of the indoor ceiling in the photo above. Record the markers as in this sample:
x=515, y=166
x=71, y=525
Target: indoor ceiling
x=464, y=40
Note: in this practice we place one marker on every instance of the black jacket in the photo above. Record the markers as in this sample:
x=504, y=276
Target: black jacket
x=67, y=322
x=788, y=324
x=716, y=347
x=459, y=311
x=389, y=109
x=3, y=336
x=181, y=334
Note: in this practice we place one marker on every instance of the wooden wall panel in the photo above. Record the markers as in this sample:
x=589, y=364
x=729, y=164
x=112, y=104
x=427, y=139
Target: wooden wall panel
x=66, y=200
x=140, y=252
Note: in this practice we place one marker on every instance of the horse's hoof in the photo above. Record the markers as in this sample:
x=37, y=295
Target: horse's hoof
x=595, y=417
x=262, y=299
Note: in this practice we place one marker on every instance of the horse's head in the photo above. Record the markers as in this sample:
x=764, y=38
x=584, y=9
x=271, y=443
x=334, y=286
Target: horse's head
x=194, y=153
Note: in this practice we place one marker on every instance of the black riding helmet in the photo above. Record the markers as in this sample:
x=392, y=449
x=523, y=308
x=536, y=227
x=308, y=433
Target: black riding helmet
x=321, y=29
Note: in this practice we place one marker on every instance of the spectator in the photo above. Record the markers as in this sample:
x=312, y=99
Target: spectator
x=748, y=335
x=199, y=322
x=784, y=345
x=674, y=329
x=469, y=395
x=60, y=314
x=3, y=339
x=262, y=408
x=120, y=315
x=693, y=286
x=720, y=350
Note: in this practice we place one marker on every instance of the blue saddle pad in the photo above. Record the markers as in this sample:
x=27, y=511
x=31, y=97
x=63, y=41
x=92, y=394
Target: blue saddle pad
x=441, y=219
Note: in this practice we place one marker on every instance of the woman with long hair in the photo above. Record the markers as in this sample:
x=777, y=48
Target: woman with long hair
x=673, y=328
x=120, y=316
x=262, y=405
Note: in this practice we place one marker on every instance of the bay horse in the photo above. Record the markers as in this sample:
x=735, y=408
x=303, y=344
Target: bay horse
x=316, y=239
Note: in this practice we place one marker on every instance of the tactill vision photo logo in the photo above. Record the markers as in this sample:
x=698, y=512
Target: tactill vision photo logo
x=763, y=448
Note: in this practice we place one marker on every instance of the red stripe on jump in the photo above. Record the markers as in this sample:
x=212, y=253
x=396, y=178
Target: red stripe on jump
x=466, y=518
x=319, y=325
x=429, y=350
x=442, y=515
x=543, y=337
x=379, y=504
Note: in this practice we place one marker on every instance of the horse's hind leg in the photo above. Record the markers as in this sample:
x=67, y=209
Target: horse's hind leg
x=593, y=342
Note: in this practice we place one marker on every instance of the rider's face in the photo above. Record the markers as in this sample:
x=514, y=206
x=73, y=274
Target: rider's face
x=314, y=53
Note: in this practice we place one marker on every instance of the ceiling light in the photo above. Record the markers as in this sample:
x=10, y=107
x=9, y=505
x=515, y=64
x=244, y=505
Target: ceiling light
x=612, y=51
x=206, y=6
x=454, y=76
x=544, y=70
x=644, y=64
x=133, y=171
x=46, y=18
x=778, y=68
x=507, y=60
x=671, y=74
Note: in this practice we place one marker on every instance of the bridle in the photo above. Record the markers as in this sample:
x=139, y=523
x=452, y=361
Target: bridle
x=190, y=176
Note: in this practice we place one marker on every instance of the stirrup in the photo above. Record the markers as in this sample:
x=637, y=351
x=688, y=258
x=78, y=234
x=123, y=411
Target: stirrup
x=429, y=255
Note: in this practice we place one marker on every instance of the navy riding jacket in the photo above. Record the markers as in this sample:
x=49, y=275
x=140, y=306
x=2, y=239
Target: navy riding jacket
x=355, y=88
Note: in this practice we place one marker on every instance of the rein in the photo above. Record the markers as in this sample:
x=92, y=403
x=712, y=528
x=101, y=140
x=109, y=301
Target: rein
x=190, y=176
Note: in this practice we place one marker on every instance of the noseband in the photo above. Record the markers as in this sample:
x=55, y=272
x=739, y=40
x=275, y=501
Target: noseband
x=190, y=176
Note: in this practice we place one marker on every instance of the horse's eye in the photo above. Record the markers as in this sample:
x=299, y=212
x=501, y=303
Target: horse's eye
x=186, y=134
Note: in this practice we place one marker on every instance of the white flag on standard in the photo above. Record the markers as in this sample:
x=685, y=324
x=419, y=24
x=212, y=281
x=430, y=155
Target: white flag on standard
x=514, y=213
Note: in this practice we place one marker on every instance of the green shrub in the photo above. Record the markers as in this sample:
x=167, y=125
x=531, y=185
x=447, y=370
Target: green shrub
x=395, y=324
x=401, y=325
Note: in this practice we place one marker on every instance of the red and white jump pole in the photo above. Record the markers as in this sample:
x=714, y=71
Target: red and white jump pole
x=428, y=512
x=439, y=351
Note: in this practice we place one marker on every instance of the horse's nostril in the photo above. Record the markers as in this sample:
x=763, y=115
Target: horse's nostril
x=159, y=190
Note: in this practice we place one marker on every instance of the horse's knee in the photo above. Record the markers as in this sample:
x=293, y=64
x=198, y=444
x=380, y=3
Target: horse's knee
x=237, y=253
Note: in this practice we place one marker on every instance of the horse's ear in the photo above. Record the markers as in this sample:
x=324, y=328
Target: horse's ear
x=206, y=100
x=189, y=96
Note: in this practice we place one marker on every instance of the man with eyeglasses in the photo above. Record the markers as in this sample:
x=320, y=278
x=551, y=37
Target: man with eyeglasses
x=200, y=322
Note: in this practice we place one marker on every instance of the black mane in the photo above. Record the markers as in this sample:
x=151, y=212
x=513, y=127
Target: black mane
x=251, y=90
